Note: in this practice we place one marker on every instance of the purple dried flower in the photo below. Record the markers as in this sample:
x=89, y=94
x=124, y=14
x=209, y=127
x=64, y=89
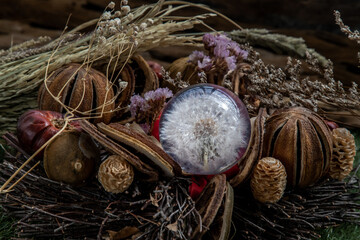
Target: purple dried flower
x=137, y=103
x=209, y=40
x=231, y=62
x=205, y=64
x=158, y=94
x=221, y=50
x=196, y=56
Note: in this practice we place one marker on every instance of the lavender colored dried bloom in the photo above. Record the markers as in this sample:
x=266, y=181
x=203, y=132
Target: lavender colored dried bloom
x=205, y=64
x=196, y=56
x=137, y=103
x=231, y=62
x=158, y=94
x=209, y=40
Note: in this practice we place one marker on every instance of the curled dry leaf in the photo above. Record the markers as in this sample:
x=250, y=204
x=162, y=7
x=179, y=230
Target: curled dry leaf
x=115, y=174
x=147, y=172
x=344, y=152
x=81, y=88
x=268, y=181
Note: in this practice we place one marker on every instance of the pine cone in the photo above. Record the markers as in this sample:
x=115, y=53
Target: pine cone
x=344, y=151
x=268, y=181
x=115, y=174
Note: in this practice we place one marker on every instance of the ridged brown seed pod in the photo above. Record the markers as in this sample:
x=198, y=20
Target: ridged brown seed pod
x=115, y=174
x=145, y=78
x=254, y=150
x=268, y=181
x=344, y=152
x=302, y=141
x=84, y=90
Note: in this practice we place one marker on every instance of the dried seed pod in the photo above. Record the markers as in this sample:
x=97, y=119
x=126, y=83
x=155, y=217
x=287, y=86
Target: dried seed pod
x=83, y=89
x=147, y=172
x=145, y=78
x=142, y=144
x=208, y=204
x=254, y=150
x=127, y=76
x=302, y=141
x=115, y=174
x=268, y=181
x=344, y=152
x=71, y=157
x=220, y=228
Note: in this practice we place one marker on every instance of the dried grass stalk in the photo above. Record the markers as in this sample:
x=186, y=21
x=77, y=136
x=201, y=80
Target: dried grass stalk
x=26, y=66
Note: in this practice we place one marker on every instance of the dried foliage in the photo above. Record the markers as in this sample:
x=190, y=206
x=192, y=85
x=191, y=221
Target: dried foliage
x=299, y=213
x=279, y=43
x=46, y=209
x=352, y=35
x=117, y=35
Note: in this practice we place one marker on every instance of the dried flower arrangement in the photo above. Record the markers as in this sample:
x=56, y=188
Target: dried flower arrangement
x=116, y=160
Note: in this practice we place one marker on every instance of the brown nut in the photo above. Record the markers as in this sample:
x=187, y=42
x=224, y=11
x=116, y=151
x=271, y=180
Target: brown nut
x=83, y=89
x=70, y=157
x=115, y=174
x=344, y=152
x=302, y=141
x=268, y=181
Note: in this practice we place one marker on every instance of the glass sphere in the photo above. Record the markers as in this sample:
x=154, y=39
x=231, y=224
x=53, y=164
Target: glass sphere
x=205, y=128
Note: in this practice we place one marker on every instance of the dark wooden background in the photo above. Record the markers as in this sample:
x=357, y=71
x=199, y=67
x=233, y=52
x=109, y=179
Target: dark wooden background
x=313, y=20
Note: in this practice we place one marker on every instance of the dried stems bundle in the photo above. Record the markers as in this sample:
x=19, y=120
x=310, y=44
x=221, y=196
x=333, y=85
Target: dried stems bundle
x=298, y=214
x=117, y=35
x=46, y=209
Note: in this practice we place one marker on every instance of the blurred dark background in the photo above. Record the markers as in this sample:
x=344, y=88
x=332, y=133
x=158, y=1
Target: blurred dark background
x=312, y=20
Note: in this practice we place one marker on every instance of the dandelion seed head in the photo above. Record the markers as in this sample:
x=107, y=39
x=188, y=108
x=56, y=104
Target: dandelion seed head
x=204, y=121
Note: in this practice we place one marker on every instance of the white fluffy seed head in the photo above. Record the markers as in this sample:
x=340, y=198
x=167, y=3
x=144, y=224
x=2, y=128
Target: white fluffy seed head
x=204, y=131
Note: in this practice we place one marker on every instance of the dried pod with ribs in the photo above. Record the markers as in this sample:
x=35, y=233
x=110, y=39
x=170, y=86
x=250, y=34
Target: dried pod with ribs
x=268, y=181
x=85, y=91
x=141, y=143
x=145, y=171
x=254, y=150
x=145, y=78
x=115, y=174
x=344, y=152
x=208, y=204
x=302, y=141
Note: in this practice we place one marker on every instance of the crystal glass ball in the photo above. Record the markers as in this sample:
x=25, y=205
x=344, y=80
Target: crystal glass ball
x=205, y=128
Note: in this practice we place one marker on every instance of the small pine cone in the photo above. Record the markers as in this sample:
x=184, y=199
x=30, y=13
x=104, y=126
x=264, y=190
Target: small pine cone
x=115, y=174
x=344, y=151
x=268, y=181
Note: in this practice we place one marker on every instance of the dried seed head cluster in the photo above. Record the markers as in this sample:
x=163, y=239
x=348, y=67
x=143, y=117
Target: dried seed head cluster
x=344, y=152
x=352, y=35
x=268, y=182
x=272, y=87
